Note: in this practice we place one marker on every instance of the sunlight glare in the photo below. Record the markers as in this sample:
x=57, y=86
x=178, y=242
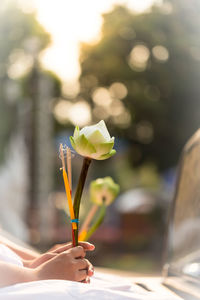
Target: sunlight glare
x=70, y=22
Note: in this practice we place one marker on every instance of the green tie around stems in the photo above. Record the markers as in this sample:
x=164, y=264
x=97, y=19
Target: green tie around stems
x=97, y=223
x=78, y=194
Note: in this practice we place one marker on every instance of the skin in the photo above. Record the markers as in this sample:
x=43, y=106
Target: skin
x=60, y=262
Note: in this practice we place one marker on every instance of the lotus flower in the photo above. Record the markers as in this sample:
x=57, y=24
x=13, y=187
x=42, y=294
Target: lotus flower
x=93, y=141
x=103, y=191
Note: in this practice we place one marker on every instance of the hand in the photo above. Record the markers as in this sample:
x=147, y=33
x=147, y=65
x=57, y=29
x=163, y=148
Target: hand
x=68, y=265
x=56, y=249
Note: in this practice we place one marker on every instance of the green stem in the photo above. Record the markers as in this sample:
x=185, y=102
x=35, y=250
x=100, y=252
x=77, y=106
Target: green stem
x=79, y=190
x=97, y=223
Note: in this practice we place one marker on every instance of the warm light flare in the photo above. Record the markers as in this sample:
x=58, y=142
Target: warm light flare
x=70, y=22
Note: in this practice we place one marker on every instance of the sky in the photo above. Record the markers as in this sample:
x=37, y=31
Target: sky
x=69, y=23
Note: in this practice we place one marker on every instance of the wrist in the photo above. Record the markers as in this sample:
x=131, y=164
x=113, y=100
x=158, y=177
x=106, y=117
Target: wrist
x=28, y=275
x=35, y=274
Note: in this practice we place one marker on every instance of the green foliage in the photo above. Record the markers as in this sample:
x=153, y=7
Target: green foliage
x=163, y=90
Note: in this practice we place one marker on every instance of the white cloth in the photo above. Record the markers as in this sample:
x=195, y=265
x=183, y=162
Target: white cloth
x=102, y=286
x=9, y=256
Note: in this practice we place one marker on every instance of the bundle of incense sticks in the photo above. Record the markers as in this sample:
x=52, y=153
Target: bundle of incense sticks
x=68, y=186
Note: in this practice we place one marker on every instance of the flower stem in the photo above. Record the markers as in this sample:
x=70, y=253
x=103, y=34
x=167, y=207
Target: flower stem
x=79, y=190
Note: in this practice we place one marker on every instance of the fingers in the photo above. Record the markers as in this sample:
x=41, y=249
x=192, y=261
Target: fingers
x=61, y=248
x=84, y=264
x=41, y=259
x=87, y=246
x=78, y=252
x=90, y=269
x=86, y=280
x=83, y=276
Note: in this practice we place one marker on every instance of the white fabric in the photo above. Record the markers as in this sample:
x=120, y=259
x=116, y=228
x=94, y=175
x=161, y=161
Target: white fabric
x=9, y=256
x=102, y=286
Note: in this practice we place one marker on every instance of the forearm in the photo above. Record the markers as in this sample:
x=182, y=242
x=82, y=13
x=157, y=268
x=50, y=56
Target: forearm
x=24, y=253
x=11, y=274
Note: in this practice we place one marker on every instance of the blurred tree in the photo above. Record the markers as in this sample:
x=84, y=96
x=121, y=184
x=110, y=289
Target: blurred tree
x=143, y=75
x=26, y=94
x=21, y=40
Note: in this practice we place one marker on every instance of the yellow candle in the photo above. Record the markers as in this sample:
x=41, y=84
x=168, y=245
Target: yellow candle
x=69, y=198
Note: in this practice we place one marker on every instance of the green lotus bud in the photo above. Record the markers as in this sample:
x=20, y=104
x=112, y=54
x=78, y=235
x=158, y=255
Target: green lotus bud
x=93, y=141
x=103, y=191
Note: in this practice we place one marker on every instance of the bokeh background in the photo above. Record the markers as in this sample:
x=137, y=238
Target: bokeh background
x=135, y=64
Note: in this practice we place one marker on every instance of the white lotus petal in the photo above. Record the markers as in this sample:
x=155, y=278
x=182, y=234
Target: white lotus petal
x=97, y=136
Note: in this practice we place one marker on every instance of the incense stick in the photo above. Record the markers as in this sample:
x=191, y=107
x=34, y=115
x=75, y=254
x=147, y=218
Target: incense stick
x=69, y=167
x=67, y=189
x=87, y=222
x=62, y=156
